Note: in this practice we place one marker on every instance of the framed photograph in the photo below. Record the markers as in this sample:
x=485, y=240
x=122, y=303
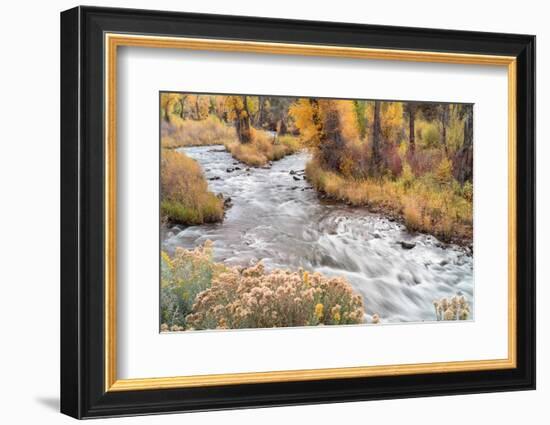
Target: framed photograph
x=261, y=212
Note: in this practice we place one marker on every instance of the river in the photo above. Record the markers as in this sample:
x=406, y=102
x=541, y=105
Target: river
x=278, y=218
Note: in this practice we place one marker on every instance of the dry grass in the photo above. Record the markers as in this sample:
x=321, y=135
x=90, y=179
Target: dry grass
x=211, y=131
x=263, y=148
x=185, y=197
x=434, y=203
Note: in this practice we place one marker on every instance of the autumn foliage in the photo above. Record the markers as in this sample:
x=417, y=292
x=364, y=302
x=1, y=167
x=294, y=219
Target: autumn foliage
x=252, y=128
x=185, y=198
x=411, y=160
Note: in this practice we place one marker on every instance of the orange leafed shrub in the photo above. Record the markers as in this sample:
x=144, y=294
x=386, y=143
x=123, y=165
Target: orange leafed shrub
x=302, y=111
x=434, y=203
x=308, y=117
x=185, y=197
x=263, y=148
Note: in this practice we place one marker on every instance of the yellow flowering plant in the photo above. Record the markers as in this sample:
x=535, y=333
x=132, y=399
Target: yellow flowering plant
x=254, y=298
x=197, y=293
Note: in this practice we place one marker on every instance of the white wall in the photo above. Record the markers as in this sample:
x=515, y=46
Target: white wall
x=29, y=224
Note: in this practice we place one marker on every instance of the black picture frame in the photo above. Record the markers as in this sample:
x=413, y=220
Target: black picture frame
x=83, y=392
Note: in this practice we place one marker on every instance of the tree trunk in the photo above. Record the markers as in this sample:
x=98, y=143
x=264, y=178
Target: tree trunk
x=182, y=104
x=376, y=158
x=197, y=109
x=282, y=128
x=463, y=160
x=444, y=123
x=260, y=115
x=469, y=129
x=316, y=118
x=167, y=113
x=242, y=122
x=332, y=142
x=411, y=107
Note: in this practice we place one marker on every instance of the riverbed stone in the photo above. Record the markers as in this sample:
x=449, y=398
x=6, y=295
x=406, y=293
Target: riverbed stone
x=407, y=245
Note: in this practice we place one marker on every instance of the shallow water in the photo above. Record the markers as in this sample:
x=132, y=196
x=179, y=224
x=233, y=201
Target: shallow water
x=278, y=218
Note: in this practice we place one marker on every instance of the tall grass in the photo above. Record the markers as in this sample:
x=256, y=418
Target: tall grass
x=210, y=131
x=263, y=148
x=185, y=197
x=433, y=203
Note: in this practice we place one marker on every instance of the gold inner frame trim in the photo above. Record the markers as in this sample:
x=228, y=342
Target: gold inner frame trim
x=113, y=41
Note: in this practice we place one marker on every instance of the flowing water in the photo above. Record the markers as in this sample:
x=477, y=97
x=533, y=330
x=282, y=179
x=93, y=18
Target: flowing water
x=278, y=218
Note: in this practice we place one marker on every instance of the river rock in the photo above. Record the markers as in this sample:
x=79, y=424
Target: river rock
x=407, y=245
x=292, y=172
x=237, y=168
x=296, y=178
x=215, y=178
x=229, y=170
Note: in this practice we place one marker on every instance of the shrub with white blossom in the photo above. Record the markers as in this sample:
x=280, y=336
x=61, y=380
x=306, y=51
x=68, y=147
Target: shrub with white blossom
x=454, y=308
x=197, y=293
x=254, y=298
